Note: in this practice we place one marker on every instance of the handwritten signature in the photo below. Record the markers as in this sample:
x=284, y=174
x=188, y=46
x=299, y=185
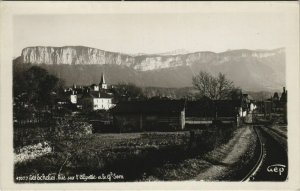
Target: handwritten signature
x=276, y=168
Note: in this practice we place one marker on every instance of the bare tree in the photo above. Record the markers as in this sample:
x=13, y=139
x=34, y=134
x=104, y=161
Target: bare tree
x=213, y=87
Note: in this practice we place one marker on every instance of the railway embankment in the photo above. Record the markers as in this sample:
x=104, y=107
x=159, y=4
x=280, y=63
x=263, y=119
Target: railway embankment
x=278, y=133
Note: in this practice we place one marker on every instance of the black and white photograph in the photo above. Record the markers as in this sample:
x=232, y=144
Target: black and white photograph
x=138, y=96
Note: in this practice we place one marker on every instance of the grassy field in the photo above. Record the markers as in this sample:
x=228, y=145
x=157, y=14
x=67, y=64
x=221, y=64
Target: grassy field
x=130, y=154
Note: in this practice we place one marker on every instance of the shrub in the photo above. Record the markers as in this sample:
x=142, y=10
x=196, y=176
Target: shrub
x=69, y=128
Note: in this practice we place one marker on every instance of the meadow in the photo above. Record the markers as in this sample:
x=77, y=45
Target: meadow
x=131, y=155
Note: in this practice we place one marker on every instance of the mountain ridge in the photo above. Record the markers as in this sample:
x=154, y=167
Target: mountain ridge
x=162, y=53
x=250, y=69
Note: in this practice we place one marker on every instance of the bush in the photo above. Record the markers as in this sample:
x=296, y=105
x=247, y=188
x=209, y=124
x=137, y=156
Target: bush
x=70, y=129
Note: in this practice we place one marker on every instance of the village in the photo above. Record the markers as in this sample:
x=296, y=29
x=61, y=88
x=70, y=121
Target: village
x=165, y=114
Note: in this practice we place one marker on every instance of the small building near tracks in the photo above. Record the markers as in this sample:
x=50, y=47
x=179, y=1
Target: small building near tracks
x=205, y=112
x=150, y=115
x=199, y=113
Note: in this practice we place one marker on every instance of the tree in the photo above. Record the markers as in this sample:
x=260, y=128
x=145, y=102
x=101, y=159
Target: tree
x=37, y=86
x=128, y=91
x=215, y=88
x=275, y=96
x=236, y=94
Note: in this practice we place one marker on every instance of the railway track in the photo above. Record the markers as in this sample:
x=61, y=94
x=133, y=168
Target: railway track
x=272, y=162
x=258, y=163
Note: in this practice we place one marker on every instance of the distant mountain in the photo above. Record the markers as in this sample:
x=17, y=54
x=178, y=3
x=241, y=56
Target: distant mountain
x=175, y=52
x=254, y=70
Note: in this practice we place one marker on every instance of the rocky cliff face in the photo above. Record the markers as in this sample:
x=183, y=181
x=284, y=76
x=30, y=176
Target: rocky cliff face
x=258, y=69
x=74, y=55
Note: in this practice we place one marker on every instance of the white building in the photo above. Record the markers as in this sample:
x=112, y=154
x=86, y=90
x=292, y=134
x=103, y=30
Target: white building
x=252, y=107
x=95, y=97
x=95, y=87
x=102, y=101
x=73, y=98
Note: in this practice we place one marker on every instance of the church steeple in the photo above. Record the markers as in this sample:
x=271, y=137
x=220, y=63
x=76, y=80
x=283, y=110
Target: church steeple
x=102, y=79
x=102, y=83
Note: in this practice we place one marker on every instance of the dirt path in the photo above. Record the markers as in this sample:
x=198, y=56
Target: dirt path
x=227, y=158
x=222, y=163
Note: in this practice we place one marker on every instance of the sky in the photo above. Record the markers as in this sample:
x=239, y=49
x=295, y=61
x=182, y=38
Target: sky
x=152, y=33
